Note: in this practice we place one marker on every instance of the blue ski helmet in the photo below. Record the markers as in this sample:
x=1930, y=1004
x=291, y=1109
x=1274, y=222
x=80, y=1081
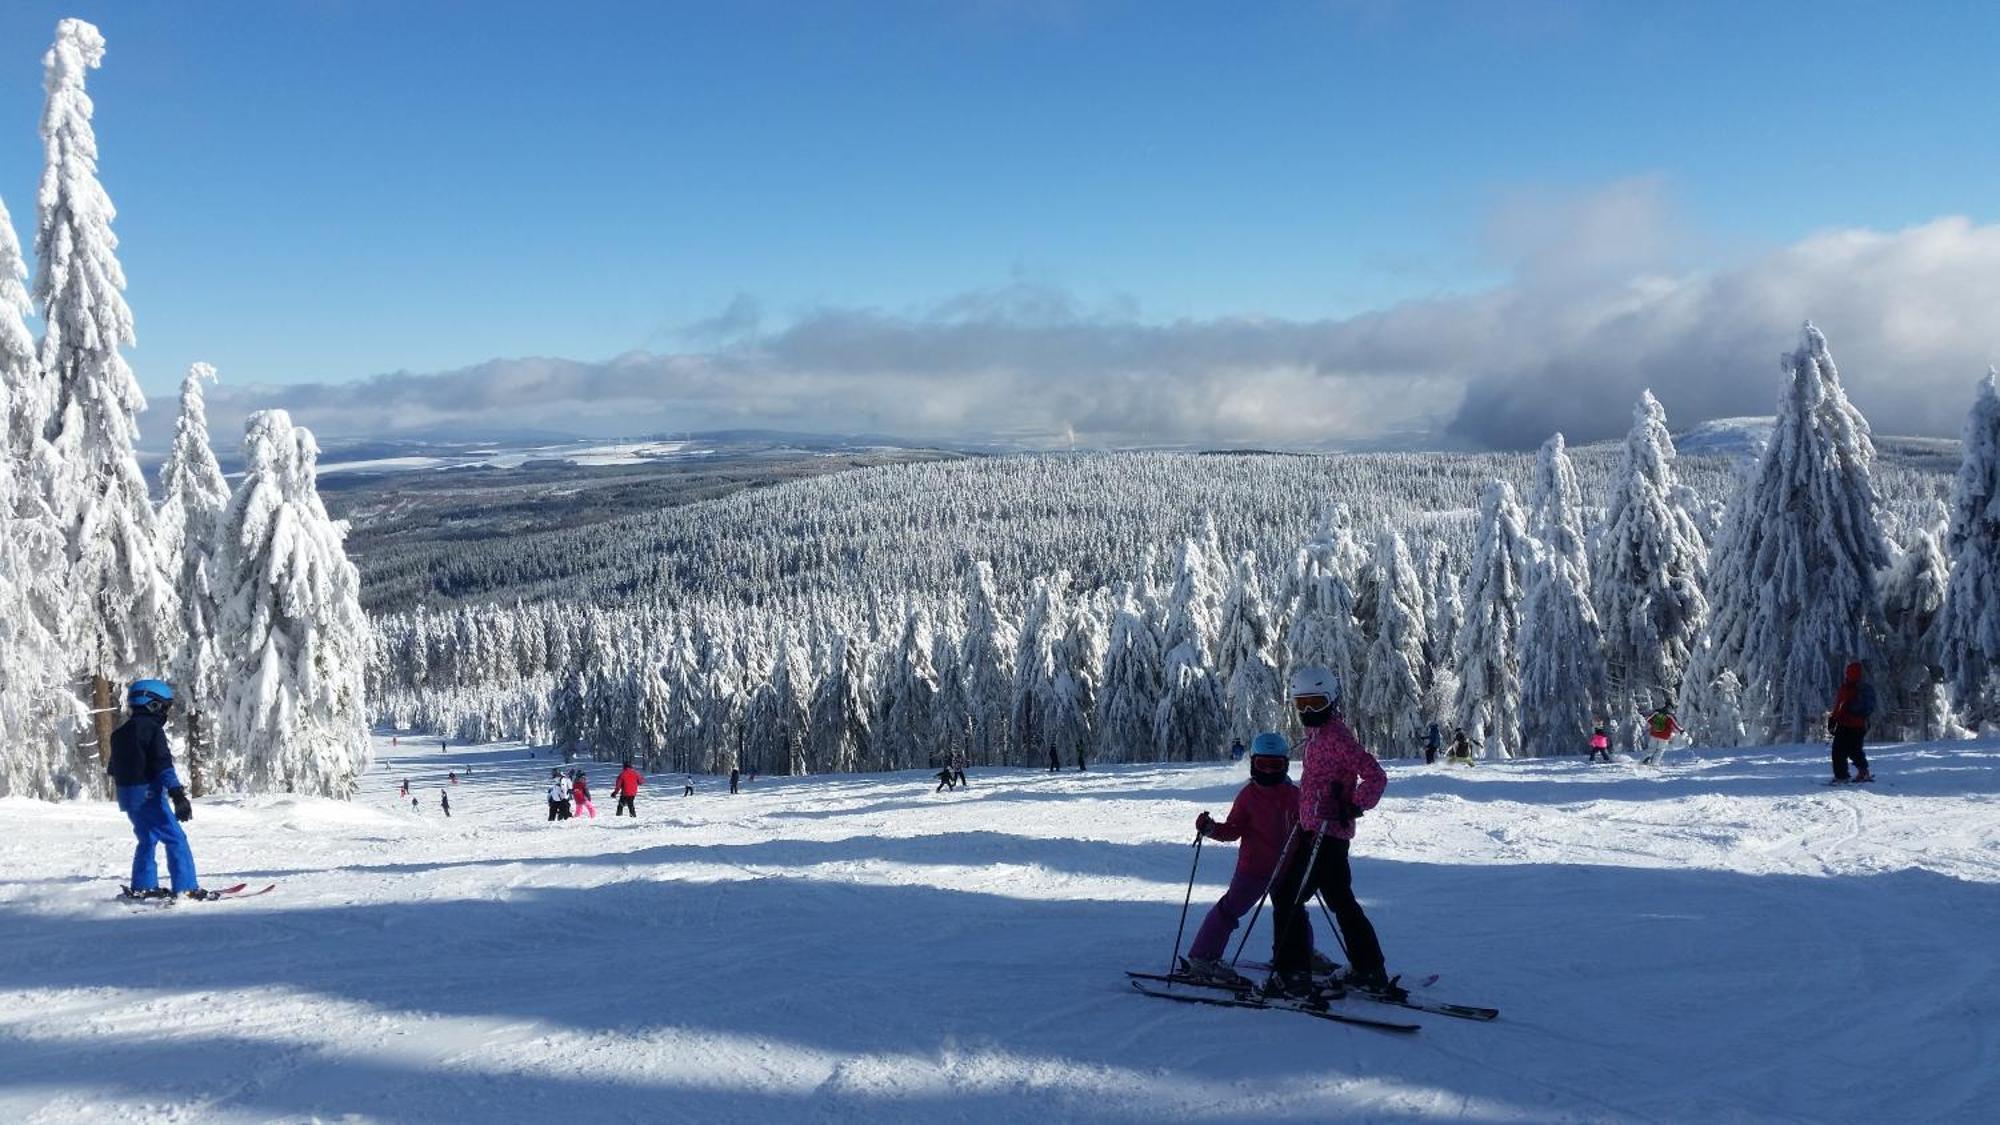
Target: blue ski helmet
x=1270, y=744
x=146, y=693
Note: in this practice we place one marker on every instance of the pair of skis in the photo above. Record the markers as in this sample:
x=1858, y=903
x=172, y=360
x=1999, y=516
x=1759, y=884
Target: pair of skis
x=1247, y=996
x=240, y=890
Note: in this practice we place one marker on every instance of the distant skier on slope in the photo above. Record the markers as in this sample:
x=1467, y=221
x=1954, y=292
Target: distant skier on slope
x=142, y=769
x=944, y=780
x=1263, y=816
x=958, y=771
x=1661, y=727
x=444, y=798
x=1340, y=781
x=1600, y=744
x=558, y=795
x=579, y=792
x=1853, y=705
x=687, y=785
x=406, y=787
x=1461, y=747
x=735, y=779
x=1433, y=742
x=626, y=789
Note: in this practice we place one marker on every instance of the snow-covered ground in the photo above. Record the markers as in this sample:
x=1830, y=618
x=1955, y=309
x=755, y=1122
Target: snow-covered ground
x=1720, y=940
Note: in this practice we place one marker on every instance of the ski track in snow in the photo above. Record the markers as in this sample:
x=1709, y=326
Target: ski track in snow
x=1720, y=939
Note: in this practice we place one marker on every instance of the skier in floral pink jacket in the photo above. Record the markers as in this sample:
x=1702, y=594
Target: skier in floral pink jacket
x=1340, y=781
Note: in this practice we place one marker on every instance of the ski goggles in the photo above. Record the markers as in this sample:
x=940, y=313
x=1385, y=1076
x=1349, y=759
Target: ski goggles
x=1312, y=702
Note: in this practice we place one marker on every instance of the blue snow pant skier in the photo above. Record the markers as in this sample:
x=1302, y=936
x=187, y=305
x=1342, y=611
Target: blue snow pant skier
x=154, y=824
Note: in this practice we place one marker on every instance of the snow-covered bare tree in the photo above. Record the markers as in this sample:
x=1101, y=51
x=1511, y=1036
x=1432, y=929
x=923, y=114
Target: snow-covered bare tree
x=1646, y=580
x=193, y=497
x=1796, y=570
x=1386, y=708
x=1970, y=634
x=120, y=599
x=1489, y=668
x=295, y=637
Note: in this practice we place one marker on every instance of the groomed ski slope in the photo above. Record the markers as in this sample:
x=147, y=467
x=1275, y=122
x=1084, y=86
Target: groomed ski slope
x=1723, y=939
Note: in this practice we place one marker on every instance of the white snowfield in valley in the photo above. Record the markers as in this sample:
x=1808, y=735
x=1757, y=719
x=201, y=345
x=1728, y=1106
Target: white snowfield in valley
x=1722, y=939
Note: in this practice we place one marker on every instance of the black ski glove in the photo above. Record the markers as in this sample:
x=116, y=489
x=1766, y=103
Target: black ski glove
x=183, y=808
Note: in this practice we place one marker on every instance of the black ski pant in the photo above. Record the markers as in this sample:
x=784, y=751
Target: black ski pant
x=1847, y=748
x=1328, y=877
x=958, y=778
x=625, y=805
x=555, y=811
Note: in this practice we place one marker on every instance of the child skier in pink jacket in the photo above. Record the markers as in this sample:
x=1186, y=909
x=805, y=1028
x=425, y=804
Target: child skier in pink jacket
x=1340, y=781
x=1262, y=816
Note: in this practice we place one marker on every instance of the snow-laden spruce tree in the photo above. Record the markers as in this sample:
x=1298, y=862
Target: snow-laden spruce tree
x=1069, y=721
x=1247, y=656
x=987, y=660
x=1447, y=617
x=1555, y=505
x=120, y=600
x=193, y=498
x=1646, y=578
x=1323, y=627
x=1796, y=571
x=1489, y=668
x=840, y=734
x=1970, y=632
x=905, y=728
x=1562, y=659
x=779, y=711
x=1386, y=707
x=295, y=639
x=1130, y=694
x=1190, y=723
x=1035, y=668
x=35, y=700
x=1911, y=700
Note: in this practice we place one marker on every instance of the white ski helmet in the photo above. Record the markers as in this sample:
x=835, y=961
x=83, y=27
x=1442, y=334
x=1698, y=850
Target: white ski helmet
x=1316, y=693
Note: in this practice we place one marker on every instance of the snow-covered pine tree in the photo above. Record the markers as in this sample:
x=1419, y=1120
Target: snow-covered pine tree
x=120, y=599
x=840, y=734
x=1555, y=506
x=1079, y=656
x=1246, y=655
x=1489, y=669
x=906, y=699
x=1910, y=681
x=1796, y=571
x=1646, y=577
x=1324, y=631
x=1447, y=617
x=987, y=658
x=1562, y=659
x=1970, y=633
x=1035, y=668
x=193, y=498
x=1130, y=696
x=1386, y=707
x=35, y=699
x=295, y=639
x=1190, y=722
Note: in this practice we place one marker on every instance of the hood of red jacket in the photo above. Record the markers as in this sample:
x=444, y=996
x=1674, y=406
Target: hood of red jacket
x=1854, y=672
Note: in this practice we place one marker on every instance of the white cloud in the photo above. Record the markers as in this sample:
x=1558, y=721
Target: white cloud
x=1597, y=309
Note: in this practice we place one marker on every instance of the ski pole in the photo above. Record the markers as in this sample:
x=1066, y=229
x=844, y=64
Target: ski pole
x=1284, y=857
x=1278, y=921
x=1175, y=961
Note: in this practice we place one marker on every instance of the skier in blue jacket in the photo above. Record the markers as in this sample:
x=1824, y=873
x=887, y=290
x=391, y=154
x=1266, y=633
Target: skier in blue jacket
x=142, y=767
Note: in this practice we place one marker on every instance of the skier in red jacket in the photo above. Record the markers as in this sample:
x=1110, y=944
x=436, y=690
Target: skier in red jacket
x=1853, y=705
x=1262, y=816
x=627, y=790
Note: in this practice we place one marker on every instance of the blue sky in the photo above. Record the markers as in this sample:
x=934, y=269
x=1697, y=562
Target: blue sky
x=317, y=192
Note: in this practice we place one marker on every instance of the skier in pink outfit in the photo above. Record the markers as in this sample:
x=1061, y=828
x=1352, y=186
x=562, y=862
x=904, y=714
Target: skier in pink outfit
x=579, y=790
x=1263, y=816
x=1340, y=781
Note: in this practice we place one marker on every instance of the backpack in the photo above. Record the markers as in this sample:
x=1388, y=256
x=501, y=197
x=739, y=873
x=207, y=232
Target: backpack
x=1864, y=701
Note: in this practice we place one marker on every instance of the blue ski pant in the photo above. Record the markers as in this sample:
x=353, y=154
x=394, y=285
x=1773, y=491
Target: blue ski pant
x=154, y=824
